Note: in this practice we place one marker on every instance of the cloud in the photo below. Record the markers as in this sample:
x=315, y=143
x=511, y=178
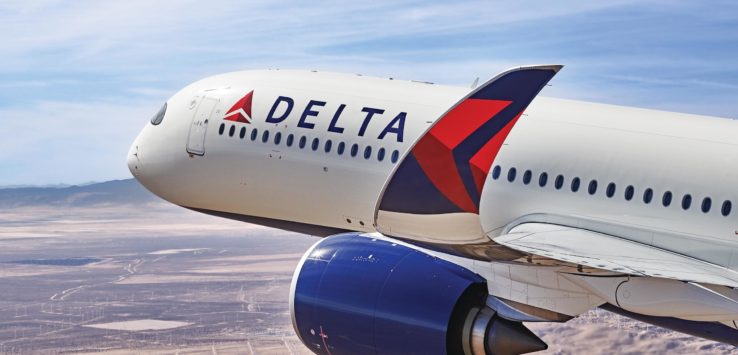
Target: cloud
x=136, y=35
x=67, y=142
x=63, y=58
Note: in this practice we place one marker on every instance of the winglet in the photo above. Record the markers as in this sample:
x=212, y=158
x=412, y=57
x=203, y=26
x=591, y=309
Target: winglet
x=445, y=170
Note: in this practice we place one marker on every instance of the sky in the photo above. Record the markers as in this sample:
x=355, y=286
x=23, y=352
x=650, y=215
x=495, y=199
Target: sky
x=79, y=79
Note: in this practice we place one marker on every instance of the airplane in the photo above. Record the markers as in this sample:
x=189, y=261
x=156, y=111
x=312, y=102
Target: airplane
x=453, y=215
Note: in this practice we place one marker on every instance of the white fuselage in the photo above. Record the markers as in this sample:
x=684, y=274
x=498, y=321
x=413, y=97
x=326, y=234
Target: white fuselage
x=264, y=177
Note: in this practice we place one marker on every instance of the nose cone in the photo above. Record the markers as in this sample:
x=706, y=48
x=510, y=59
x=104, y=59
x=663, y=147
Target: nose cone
x=133, y=161
x=156, y=159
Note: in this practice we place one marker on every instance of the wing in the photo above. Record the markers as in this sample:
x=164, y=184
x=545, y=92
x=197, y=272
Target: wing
x=606, y=252
x=442, y=176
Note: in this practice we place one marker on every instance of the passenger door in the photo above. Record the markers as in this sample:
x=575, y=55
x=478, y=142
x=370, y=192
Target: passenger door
x=199, y=125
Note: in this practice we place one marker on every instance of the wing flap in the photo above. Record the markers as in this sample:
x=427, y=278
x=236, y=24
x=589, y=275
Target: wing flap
x=611, y=253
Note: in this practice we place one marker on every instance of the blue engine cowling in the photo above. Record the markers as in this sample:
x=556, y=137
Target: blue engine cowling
x=354, y=294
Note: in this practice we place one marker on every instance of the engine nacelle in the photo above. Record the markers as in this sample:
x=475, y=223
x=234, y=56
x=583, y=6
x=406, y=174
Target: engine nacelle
x=356, y=294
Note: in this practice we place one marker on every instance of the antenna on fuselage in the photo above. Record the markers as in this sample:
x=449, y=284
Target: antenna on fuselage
x=475, y=83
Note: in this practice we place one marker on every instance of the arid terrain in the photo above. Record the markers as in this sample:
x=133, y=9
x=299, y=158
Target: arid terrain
x=89, y=271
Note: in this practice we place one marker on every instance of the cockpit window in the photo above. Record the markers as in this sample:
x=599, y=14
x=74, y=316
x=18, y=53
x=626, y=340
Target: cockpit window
x=159, y=115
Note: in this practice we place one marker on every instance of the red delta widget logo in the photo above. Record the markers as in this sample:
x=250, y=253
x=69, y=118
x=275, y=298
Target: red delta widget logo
x=283, y=106
x=241, y=110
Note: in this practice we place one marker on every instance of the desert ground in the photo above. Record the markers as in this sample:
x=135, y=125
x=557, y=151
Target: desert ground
x=148, y=277
x=159, y=280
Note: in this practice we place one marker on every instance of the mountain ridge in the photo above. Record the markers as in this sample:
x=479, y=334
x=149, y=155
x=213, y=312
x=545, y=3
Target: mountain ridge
x=123, y=192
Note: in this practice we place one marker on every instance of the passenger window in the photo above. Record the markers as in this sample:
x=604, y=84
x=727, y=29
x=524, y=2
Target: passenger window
x=648, y=195
x=527, y=176
x=328, y=145
x=380, y=154
x=302, y=142
x=277, y=138
x=575, y=184
x=354, y=149
x=395, y=156
x=706, y=204
x=727, y=206
x=232, y=131
x=265, y=136
x=629, y=192
x=559, y=182
x=367, y=152
x=592, y=189
x=254, y=133
x=496, y=172
x=666, y=200
x=543, y=179
x=686, y=201
x=511, y=174
x=243, y=132
x=341, y=148
x=610, y=192
x=290, y=139
x=221, y=129
x=316, y=144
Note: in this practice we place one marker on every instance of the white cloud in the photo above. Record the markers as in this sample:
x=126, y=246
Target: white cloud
x=109, y=33
x=79, y=78
x=69, y=142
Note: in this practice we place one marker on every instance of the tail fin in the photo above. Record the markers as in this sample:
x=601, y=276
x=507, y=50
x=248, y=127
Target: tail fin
x=445, y=171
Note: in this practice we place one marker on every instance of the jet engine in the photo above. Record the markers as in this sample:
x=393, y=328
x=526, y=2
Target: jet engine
x=360, y=294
